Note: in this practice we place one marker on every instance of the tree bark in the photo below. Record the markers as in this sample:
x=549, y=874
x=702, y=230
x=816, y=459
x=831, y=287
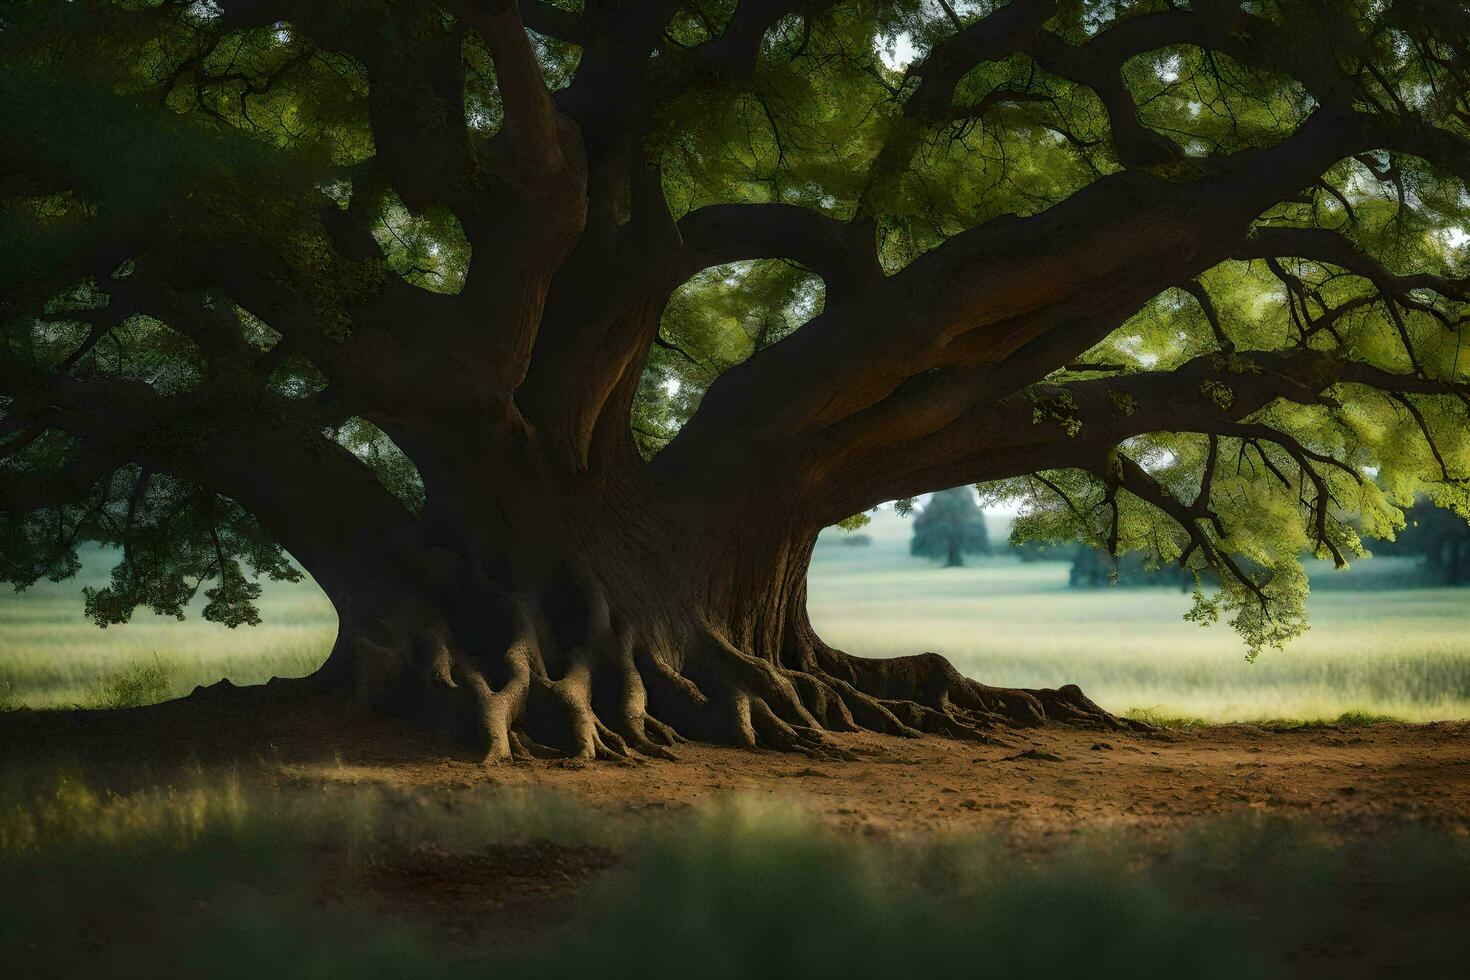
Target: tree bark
x=597, y=615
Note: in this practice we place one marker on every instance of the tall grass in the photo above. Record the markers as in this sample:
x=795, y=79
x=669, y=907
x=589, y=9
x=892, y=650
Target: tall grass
x=69, y=816
x=138, y=684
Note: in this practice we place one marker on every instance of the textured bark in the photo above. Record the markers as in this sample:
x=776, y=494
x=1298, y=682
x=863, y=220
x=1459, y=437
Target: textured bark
x=593, y=616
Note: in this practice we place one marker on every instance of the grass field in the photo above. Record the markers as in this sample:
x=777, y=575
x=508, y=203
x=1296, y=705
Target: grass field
x=1374, y=648
x=51, y=655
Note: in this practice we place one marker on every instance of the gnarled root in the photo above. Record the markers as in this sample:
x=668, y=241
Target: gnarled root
x=510, y=705
x=616, y=694
x=925, y=692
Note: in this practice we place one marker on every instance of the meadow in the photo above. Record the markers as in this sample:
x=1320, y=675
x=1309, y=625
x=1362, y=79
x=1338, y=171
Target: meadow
x=53, y=656
x=1378, y=646
x=1379, y=643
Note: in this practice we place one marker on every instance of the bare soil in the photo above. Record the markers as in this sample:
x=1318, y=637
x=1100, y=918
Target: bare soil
x=1044, y=783
x=1052, y=781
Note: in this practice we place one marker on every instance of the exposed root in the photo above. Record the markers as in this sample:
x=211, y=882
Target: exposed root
x=617, y=695
x=959, y=706
x=661, y=735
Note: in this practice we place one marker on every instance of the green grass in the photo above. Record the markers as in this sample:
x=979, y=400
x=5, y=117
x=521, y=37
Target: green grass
x=52, y=656
x=1376, y=648
x=48, y=816
x=1162, y=719
x=148, y=682
x=1348, y=719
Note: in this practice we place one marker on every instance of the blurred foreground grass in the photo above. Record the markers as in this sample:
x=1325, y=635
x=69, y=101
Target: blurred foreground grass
x=223, y=877
x=1376, y=647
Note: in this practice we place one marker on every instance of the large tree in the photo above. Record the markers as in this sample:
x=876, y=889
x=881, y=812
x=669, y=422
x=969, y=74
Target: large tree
x=548, y=335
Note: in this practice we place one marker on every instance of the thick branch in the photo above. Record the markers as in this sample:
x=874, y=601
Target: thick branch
x=416, y=95
x=1333, y=248
x=1447, y=150
x=312, y=495
x=843, y=254
x=990, y=38
x=733, y=53
x=1067, y=425
x=1023, y=294
x=530, y=126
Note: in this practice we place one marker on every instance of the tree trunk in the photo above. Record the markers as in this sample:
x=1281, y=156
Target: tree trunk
x=592, y=617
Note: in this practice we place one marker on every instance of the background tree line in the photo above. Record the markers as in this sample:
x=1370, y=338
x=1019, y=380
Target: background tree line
x=951, y=525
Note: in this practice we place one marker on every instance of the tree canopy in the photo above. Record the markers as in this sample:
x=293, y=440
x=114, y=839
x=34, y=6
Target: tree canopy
x=1188, y=279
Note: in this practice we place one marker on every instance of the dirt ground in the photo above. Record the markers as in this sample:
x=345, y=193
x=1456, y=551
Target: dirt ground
x=1049, y=782
x=1044, y=782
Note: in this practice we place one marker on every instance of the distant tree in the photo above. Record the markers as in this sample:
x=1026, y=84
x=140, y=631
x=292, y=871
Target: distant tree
x=856, y=540
x=1097, y=567
x=949, y=527
x=1029, y=551
x=1438, y=536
